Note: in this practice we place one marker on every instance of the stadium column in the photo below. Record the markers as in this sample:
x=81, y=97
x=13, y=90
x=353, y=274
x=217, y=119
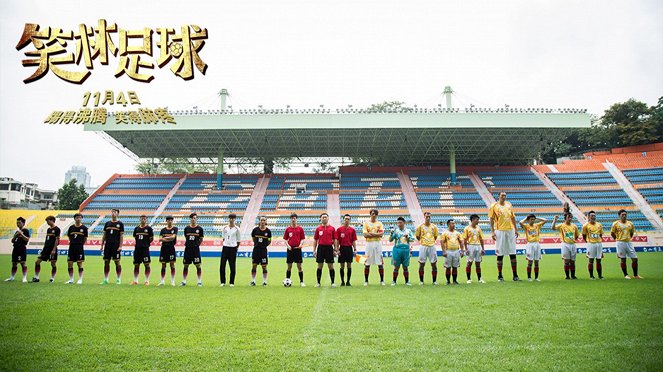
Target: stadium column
x=452, y=164
x=219, y=171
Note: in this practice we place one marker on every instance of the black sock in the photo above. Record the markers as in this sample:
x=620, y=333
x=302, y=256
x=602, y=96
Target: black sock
x=381, y=270
x=349, y=275
x=287, y=274
x=332, y=275
x=342, y=275
x=301, y=276
x=318, y=274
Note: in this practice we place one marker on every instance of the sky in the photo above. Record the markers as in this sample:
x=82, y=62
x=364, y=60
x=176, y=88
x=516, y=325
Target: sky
x=580, y=54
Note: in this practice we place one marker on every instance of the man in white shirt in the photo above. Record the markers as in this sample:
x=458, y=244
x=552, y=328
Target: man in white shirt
x=231, y=239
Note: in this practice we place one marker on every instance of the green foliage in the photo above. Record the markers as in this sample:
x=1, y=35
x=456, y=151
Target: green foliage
x=70, y=196
x=578, y=325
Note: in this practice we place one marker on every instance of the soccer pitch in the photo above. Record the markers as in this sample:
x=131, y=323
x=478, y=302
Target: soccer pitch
x=614, y=324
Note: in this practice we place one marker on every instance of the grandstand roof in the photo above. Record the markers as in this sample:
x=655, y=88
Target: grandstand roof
x=405, y=138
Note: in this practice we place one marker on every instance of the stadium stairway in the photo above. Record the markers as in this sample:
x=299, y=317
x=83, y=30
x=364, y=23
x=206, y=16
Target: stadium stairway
x=334, y=207
x=253, y=208
x=559, y=194
x=482, y=190
x=165, y=201
x=637, y=198
x=411, y=199
x=96, y=222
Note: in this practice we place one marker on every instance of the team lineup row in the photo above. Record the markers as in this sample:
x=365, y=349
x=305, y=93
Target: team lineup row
x=331, y=243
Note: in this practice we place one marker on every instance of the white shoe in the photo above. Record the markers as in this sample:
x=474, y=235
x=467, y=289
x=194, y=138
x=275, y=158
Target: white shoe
x=9, y=280
x=223, y=284
x=627, y=277
x=232, y=285
x=537, y=280
x=25, y=280
x=529, y=279
x=482, y=281
x=469, y=281
x=172, y=283
x=302, y=284
x=382, y=283
x=421, y=283
x=69, y=282
x=52, y=280
x=160, y=284
x=436, y=283
x=393, y=284
x=333, y=285
x=317, y=285
x=80, y=281
x=365, y=284
x=408, y=284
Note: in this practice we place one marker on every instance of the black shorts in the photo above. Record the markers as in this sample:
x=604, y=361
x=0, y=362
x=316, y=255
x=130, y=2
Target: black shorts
x=167, y=254
x=19, y=254
x=111, y=252
x=347, y=254
x=294, y=255
x=191, y=255
x=46, y=255
x=229, y=252
x=142, y=255
x=325, y=253
x=76, y=253
x=259, y=256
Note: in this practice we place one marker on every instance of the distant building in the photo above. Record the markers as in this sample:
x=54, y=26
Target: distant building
x=21, y=195
x=80, y=174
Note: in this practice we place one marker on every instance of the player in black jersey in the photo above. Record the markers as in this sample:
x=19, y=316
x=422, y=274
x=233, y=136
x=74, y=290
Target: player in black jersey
x=77, y=234
x=143, y=235
x=262, y=237
x=193, y=235
x=50, y=250
x=111, y=245
x=20, y=242
x=167, y=254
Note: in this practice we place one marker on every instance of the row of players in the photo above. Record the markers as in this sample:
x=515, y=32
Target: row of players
x=330, y=242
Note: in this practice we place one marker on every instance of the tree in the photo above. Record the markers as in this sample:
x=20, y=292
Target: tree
x=633, y=123
x=389, y=106
x=70, y=196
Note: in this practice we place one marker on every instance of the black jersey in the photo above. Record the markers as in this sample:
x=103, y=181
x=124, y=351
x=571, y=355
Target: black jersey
x=143, y=235
x=112, y=232
x=51, y=235
x=261, y=238
x=165, y=232
x=18, y=241
x=77, y=235
x=193, y=236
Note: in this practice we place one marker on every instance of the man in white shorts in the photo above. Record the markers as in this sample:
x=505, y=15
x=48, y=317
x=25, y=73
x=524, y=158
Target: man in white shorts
x=452, y=251
x=427, y=234
x=592, y=232
x=504, y=232
x=473, y=237
x=569, y=234
x=623, y=231
x=373, y=231
x=532, y=228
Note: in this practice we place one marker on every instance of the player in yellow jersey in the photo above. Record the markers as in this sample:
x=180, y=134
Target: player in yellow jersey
x=569, y=233
x=592, y=232
x=373, y=231
x=473, y=237
x=504, y=232
x=623, y=231
x=427, y=234
x=452, y=250
x=532, y=228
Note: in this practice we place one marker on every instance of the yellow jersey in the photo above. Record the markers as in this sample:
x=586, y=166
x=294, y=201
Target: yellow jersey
x=502, y=215
x=452, y=238
x=593, y=232
x=427, y=235
x=569, y=233
x=373, y=228
x=623, y=231
x=472, y=235
x=533, y=231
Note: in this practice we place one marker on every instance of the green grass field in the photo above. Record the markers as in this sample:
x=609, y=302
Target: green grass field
x=612, y=324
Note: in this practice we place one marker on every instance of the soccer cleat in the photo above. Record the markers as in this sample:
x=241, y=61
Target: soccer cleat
x=35, y=280
x=133, y=283
x=627, y=277
x=456, y=283
x=172, y=283
x=447, y=283
x=51, y=280
x=500, y=278
x=342, y=284
x=80, y=281
x=408, y=284
x=574, y=277
x=69, y=282
x=183, y=284
x=223, y=284
x=600, y=278
x=232, y=285
x=393, y=284
x=516, y=279
x=537, y=280
x=482, y=281
x=382, y=283
x=436, y=283
x=253, y=284
x=118, y=281
x=469, y=281
x=421, y=283
x=264, y=284
x=147, y=283
x=348, y=284
x=317, y=285
x=300, y=284
x=9, y=280
x=365, y=283
x=104, y=282
x=24, y=280
x=638, y=277
x=333, y=285
x=567, y=278
x=529, y=279
x=200, y=284
x=592, y=278
x=161, y=283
